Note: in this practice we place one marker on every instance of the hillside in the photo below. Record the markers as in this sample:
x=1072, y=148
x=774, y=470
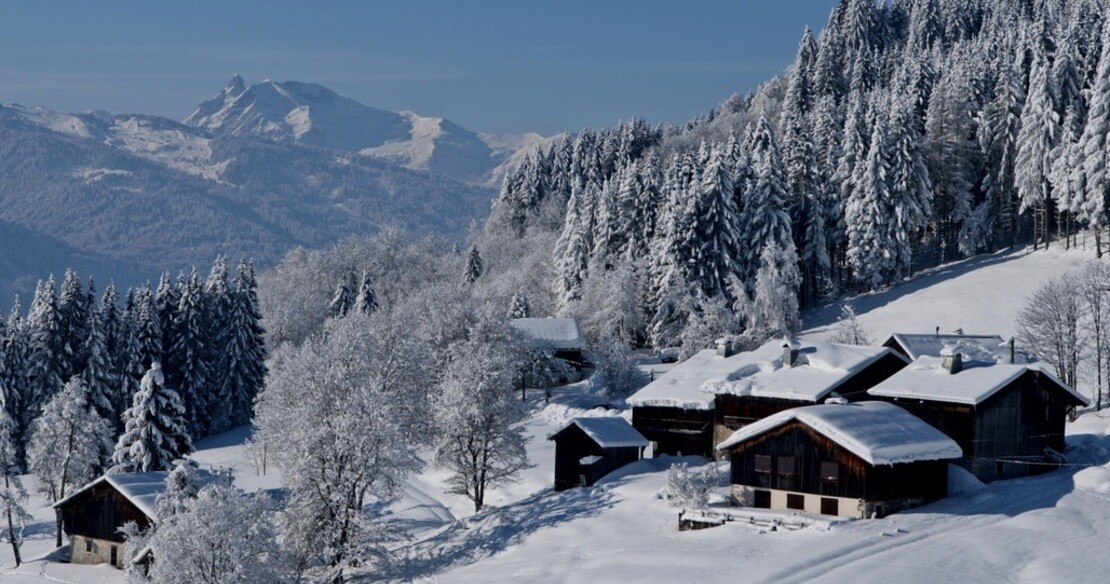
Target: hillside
x=1048, y=528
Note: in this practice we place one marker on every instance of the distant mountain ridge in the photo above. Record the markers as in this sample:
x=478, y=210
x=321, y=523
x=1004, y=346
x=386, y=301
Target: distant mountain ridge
x=309, y=114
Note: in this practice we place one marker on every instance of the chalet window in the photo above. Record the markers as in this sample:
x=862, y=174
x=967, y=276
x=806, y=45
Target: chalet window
x=88, y=545
x=796, y=502
x=761, y=499
x=785, y=471
x=830, y=471
x=115, y=555
x=830, y=506
x=762, y=466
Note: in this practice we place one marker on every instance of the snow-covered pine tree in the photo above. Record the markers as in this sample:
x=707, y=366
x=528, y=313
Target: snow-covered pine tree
x=1040, y=131
x=998, y=134
x=950, y=155
x=572, y=250
x=244, y=364
x=188, y=371
x=799, y=152
x=869, y=216
x=910, y=189
x=1094, y=145
x=13, y=497
x=17, y=382
x=127, y=363
x=849, y=330
x=48, y=356
x=344, y=297
x=182, y=484
x=164, y=303
x=366, y=302
x=68, y=442
x=216, y=319
x=764, y=219
x=73, y=317
x=714, y=227
x=100, y=380
x=473, y=268
x=775, y=302
x=519, y=306
x=155, y=433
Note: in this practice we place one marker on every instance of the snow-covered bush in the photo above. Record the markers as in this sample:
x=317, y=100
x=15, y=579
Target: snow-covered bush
x=615, y=371
x=849, y=331
x=688, y=488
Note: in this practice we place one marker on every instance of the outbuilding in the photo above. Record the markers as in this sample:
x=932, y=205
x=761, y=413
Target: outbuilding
x=94, y=514
x=561, y=337
x=1008, y=418
x=589, y=448
x=865, y=459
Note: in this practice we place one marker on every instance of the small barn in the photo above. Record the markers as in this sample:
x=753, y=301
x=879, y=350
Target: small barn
x=983, y=347
x=587, y=449
x=1008, y=418
x=673, y=412
x=94, y=514
x=865, y=459
x=560, y=336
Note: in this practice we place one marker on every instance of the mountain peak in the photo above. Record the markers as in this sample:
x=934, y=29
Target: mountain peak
x=236, y=86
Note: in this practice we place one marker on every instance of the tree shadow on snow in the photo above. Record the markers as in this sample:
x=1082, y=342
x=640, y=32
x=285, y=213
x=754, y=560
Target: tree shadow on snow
x=493, y=531
x=820, y=318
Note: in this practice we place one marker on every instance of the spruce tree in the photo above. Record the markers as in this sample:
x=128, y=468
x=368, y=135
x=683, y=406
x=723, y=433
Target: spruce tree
x=473, y=269
x=519, y=307
x=366, y=302
x=73, y=317
x=244, y=364
x=99, y=379
x=189, y=370
x=1094, y=144
x=48, y=355
x=1040, y=130
x=765, y=219
x=343, y=299
x=217, y=307
x=155, y=433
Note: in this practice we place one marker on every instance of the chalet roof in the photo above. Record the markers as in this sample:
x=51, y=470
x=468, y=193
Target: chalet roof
x=557, y=333
x=878, y=432
x=975, y=347
x=820, y=369
x=140, y=488
x=926, y=379
x=607, y=431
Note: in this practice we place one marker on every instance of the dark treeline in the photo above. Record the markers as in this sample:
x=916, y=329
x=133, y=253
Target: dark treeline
x=206, y=334
x=906, y=133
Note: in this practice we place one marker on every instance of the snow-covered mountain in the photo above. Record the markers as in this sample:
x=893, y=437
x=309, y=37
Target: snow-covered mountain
x=131, y=195
x=308, y=114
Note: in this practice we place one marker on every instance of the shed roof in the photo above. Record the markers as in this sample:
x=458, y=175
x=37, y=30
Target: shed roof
x=976, y=347
x=880, y=433
x=557, y=333
x=607, y=431
x=140, y=488
x=926, y=379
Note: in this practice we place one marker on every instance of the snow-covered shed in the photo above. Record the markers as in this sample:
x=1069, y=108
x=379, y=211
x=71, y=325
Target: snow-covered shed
x=858, y=459
x=589, y=448
x=93, y=515
x=1008, y=418
x=561, y=336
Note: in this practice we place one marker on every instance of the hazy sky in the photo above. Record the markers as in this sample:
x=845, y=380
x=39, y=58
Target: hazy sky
x=488, y=65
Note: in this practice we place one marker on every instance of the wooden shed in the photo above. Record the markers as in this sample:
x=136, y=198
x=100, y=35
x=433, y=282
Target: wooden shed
x=866, y=459
x=559, y=336
x=94, y=514
x=587, y=449
x=1008, y=419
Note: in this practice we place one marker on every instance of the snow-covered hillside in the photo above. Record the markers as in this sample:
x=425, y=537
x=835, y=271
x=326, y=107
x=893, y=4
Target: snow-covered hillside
x=313, y=115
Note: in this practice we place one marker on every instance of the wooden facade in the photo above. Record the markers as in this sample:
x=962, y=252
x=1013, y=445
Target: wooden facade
x=99, y=512
x=676, y=431
x=733, y=412
x=572, y=445
x=1005, y=435
x=795, y=460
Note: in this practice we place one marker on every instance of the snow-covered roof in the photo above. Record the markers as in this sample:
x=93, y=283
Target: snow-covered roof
x=974, y=347
x=140, y=488
x=820, y=369
x=557, y=333
x=927, y=379
x=878, y=432
x=607, y=431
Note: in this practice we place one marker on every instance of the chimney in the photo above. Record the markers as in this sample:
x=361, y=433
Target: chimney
x=789, y=353
x=724, y=347
x=937, y=333
x=952, y=361
x=1012, y=351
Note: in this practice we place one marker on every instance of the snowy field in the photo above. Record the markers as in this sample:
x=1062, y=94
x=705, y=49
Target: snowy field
x=1050, y=528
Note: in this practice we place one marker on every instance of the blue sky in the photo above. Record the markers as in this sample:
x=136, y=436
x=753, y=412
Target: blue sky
x=490, y=65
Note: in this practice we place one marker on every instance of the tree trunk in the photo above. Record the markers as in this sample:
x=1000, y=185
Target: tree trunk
x=57, y=528
x=11, y=527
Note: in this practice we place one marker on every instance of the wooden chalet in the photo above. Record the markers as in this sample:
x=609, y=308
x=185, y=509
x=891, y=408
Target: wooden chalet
x=94, y=514
x=587, y=449
x=781, y=375
x=865, y=459
x=673, y=412
x=559, y=336
x=1008, y=418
